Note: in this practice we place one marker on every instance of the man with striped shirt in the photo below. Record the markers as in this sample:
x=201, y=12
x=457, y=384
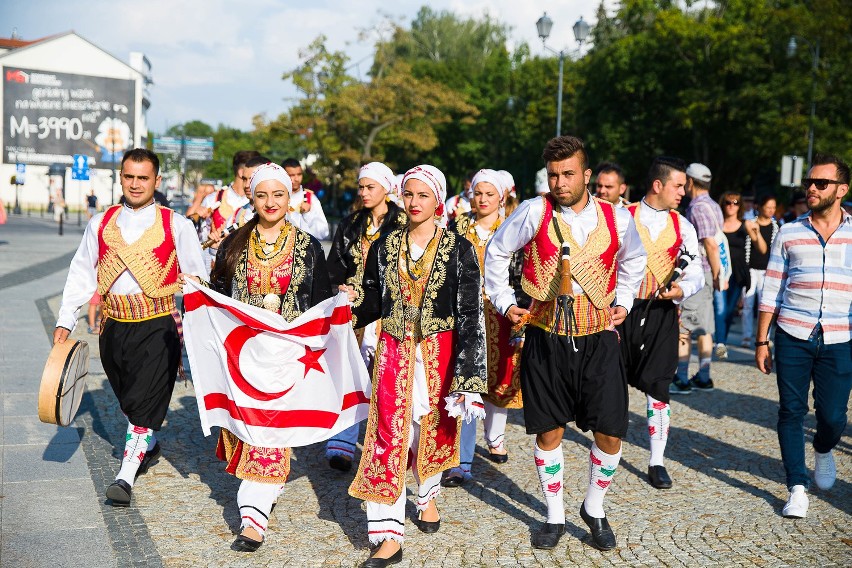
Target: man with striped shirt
x=808, y=289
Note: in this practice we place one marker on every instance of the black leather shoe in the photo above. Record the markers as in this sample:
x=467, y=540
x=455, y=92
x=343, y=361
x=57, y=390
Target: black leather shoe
x=245, y=544
x=340, y=463
x=453, y=481
x=602, y=536
x=151, y=458
x=119, y=493
x=382, y=562
x=548, y=537
x=659, y=477
x=498, y=458
x=428, y=527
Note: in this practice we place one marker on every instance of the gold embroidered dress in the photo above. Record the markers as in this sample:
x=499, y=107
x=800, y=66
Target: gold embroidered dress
x=432, y=343
x=287, y=277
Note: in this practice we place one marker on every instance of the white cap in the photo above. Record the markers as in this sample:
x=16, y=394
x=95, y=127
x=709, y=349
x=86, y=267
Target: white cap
x=699, y=172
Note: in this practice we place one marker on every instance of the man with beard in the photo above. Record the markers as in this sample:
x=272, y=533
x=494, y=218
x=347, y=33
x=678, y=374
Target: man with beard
x=808, y=290
x=568, y=371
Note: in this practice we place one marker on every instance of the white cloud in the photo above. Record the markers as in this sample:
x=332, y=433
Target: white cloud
x=221, y=62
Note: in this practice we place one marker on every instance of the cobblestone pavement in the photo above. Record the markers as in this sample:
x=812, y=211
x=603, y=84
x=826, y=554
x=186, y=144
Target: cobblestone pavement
x=724, y=508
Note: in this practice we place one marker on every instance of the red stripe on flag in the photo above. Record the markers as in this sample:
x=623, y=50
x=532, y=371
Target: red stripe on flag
x=354, y=398
x=341, y=315
x=273, y=418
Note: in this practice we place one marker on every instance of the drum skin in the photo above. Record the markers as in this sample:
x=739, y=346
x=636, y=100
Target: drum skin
x=63, y=382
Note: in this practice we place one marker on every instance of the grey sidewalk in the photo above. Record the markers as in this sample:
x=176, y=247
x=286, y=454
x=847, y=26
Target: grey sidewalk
x=723, y=456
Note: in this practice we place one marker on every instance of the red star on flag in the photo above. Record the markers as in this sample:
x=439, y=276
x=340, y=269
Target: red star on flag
x=311, y=360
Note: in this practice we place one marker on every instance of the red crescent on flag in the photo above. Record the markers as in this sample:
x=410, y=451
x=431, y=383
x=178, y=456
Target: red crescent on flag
x=233, y=346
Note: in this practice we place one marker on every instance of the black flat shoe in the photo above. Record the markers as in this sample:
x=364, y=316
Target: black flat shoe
x=151, y=458
x=548, y=537
x=659, y=477
x=382, y=562
x=602, y=536
x=498, y=458
x=428, y=527
x=453, y=481
x=245, y=544
x=340, y=463
x=119, y=493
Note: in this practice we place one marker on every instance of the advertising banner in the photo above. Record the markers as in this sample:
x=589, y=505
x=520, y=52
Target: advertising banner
x=49, y=117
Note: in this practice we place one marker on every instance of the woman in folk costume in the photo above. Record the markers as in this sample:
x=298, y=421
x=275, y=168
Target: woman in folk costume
x=346, y=260
x=423, y=282
x=504, y=390
x=267, y=263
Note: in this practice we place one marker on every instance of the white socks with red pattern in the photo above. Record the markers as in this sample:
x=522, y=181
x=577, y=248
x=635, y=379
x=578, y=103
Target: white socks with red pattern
x=135, y=446
x=659, y=416
x=602, y=467
x=550, y=466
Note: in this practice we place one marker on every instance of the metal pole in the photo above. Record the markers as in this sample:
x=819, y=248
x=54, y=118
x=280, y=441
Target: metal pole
x=559, y=96
x=814, y=69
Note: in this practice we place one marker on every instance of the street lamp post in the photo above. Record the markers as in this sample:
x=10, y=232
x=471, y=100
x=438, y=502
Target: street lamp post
x=813, y=47
x=581, y=32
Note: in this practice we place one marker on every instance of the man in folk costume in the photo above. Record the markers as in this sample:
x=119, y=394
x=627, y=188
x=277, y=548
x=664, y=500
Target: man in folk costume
x=346, y=260
x=490, y=189
x=225, y=203
x=131, y=254
x=423, y=282
x=583, y=262
x=649, y=335
x=305, y=208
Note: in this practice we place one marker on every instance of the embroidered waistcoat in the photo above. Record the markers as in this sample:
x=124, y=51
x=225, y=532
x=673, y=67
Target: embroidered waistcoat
x=662, y=253
x=151, y=259
x=222, y=213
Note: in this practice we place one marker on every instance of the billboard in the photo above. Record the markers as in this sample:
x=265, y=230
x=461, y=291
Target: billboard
x=49, y=117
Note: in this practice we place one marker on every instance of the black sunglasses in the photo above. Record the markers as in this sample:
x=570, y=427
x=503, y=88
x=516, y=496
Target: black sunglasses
x=734, y=202
x=820, y=183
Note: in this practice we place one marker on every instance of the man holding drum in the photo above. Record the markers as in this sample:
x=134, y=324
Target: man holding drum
x=131, y=254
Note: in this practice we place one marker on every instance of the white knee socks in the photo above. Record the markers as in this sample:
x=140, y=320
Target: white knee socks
x=136, y=445
x=550, y=465
x=495, y=425
x=602, y=467
x=659, y=415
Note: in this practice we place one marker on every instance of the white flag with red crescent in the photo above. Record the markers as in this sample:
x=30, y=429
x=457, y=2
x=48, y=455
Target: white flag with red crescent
x=271, y=382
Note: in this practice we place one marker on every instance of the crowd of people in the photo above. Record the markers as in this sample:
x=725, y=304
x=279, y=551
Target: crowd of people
x=467, y=306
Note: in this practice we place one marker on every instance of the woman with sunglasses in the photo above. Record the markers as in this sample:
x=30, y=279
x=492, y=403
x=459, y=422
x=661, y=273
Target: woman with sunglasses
x=757, y=262
x=423, y=282
x=738, y=233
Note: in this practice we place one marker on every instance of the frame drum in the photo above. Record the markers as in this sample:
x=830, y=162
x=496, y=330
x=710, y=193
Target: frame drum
x=63, y=382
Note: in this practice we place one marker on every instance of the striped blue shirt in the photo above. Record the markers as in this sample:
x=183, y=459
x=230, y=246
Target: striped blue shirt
x=809, y=282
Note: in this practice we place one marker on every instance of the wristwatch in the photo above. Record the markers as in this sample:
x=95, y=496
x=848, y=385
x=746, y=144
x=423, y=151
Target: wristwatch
x=761, y=343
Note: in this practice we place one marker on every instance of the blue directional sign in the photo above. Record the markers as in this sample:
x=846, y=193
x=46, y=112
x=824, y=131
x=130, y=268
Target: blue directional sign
x=20, y=173
x=80, y=168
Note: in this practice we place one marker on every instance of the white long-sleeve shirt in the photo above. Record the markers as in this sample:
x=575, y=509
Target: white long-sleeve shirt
x=520, y=228
x=655, y=221
x=312, y=222
x=82, y=280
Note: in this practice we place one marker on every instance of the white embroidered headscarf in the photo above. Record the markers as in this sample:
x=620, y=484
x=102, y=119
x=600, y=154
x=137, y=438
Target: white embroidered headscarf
x=510, y=182
x=268, y=172
x=490, y=176
x=379, y=172
x=432, y=177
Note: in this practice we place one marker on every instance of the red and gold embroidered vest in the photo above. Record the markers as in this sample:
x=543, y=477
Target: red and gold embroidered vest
x=662, y=253
x=223, y=212
x=593, y=267
x=151, y=259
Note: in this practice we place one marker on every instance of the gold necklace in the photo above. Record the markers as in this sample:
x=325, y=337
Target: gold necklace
x=475, y=234
x=264, y=250
x=419, y=264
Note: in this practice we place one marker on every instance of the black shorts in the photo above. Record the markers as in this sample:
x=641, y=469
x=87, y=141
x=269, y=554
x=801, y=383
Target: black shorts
x=650, y=351
x=141, y=361
x=560, y=386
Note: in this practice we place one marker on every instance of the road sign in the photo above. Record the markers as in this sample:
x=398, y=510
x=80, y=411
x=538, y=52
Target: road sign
x=791, y=171
x=20, y=173
x=192, y=148
x=80, y=168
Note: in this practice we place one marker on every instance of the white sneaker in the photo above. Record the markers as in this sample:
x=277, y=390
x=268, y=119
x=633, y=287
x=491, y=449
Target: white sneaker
x=797, y=503
x=721, y=351
x=825, y=472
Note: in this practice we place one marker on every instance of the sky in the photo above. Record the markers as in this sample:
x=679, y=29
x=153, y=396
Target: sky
x=219, y=61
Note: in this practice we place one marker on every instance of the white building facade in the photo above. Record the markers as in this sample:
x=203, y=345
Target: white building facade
x=62, y=97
